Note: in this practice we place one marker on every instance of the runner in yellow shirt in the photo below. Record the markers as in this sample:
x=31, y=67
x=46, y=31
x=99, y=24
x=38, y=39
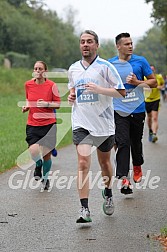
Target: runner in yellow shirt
x=152, y=102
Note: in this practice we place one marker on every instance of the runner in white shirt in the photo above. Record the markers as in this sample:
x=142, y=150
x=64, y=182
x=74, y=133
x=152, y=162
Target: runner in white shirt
x=93, y=82
x=93, y=111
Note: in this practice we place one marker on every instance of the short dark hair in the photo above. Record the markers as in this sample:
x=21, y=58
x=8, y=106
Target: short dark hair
x=91, y=33
x=121, y=35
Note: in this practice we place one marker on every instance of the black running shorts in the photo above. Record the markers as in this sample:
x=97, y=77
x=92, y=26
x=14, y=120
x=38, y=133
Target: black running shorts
x=152, y=106
x=42, y=135
x=103, y=143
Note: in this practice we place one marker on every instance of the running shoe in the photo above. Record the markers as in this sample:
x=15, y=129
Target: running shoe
x=108, y=205
x=154, y=138
x=38, y=172
x=137, y=174
x=126, y=187
x=45, y=185
x=84, y=216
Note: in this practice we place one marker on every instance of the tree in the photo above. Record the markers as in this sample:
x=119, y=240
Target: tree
x=69, y=17
x=107, y=49
x=16, y=3
x=26, y=27
x=36, y=4
x=159, y=11
x=32, y=3
x=160, y=15
x=38, y=33
x=151, y=47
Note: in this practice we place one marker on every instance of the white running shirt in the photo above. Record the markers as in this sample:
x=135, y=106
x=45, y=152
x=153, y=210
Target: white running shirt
x=93, y=112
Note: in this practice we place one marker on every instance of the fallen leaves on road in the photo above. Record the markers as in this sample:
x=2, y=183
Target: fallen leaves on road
x=163, y=240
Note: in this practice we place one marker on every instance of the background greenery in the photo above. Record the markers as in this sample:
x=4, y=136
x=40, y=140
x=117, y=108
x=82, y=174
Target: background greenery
x=29, y=31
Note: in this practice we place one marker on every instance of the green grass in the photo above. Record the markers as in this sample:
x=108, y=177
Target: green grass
x=12, y=131
x=164, y=231
x=13, y=121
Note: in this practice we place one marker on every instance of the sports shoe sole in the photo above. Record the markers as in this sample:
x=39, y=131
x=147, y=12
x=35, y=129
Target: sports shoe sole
x=104, y=210
x=103, y=195
x=154, y=139
x=82, y=220
x=126, y=190
x=46, y=187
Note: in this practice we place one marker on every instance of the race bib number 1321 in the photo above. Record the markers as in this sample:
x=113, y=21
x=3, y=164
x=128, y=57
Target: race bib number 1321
x=85, y=96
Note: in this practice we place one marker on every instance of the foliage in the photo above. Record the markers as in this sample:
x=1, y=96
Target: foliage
x=107, y=49
x=12, y=130
x=164, y=231
x=17, y=59
x=41, y=34
x=27, y=28
x=160, y=15
x=16, y=3
x=159, y=10
x=151, y=47
x=1, y=59
x=12, y=81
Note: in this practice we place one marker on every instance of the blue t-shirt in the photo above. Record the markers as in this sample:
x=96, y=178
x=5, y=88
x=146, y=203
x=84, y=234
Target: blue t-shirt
x=134, y=100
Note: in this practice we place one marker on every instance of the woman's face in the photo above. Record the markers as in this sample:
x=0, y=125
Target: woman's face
x=39, y=70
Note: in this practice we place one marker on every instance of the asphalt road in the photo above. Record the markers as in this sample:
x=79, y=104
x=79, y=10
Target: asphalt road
x=32, y=221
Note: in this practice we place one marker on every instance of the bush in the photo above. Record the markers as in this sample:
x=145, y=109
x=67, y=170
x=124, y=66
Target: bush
x=18, y=60
x=2, y=59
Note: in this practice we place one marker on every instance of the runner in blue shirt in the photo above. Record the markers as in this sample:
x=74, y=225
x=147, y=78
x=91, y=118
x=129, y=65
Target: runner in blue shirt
x=130, y=111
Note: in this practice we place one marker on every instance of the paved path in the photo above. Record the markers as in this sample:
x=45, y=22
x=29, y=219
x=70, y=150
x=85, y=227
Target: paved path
x=31, y=221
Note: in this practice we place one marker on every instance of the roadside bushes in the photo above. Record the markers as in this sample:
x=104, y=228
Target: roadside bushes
x=18, y=59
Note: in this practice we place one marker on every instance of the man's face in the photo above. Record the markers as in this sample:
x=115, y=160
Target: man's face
x=88, y=45
x=125, y=46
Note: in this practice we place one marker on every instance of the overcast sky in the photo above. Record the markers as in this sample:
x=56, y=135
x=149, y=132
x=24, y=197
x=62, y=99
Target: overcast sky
x=108, y=18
